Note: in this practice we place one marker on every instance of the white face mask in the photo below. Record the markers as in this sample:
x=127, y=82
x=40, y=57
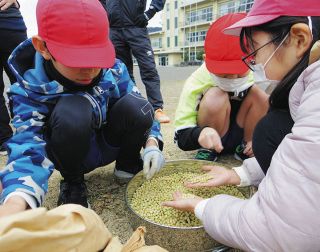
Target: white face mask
x=259, y=73
x=231, y=85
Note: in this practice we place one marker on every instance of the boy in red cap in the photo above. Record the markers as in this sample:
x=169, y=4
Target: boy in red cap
x=75, y=108
x=216, y=112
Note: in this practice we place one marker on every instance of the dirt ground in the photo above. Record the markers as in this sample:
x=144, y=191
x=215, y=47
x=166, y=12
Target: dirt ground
x=107, y=197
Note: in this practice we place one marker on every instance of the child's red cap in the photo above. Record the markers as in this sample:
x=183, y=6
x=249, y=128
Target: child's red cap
x=76, y=32
x=223, y=52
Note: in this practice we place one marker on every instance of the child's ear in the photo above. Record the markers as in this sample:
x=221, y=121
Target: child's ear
x=40, y=46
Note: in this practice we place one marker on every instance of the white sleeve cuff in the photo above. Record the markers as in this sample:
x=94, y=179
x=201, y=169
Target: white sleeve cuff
x=199, y=209
x=31, y=201
x=244, y=178
x=155, y=139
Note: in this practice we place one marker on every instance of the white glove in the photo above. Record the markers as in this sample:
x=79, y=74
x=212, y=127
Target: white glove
x=153, y=161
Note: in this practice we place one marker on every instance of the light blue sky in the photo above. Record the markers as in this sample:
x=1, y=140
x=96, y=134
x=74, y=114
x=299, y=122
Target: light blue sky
x=28, y=9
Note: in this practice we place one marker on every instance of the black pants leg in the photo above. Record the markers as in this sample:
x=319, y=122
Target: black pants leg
x=268, y=134
x=129, y=123
x=139, y=42
x=9, y=40
x=68, y=136
x=123, y=50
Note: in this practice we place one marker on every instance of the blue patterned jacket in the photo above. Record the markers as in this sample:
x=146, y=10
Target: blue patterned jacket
x=33, y=97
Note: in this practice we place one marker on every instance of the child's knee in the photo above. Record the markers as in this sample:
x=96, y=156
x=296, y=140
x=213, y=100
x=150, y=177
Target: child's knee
x=214, y=101
x=71, y=116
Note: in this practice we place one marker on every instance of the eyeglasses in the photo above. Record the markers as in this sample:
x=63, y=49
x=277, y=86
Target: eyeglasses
x=249, y=59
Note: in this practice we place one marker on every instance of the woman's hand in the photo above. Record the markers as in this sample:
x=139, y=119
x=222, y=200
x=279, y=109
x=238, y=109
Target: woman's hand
x=5, y=4
x=220, y=176
x=181, y=203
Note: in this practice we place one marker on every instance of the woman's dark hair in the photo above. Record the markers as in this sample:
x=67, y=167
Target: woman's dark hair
x=278, y=29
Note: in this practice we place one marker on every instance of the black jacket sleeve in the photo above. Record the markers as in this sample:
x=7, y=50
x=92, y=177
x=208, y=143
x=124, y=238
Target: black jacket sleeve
x=187, y=139
x=158, y=4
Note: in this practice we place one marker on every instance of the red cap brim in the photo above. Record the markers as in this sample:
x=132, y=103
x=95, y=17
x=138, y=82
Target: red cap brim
x=226, y=67
x=248, y=21
x=84, y=57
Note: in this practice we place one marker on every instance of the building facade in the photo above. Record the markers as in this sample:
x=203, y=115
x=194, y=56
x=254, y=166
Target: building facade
x=184, y=28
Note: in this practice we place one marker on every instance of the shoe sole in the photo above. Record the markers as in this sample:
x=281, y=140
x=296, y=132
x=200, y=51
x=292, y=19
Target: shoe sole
x=121, y=181
x=236, y=156
x=215, y=159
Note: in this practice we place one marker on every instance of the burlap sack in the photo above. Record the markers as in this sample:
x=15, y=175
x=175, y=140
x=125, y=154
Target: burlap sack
x=66, y=228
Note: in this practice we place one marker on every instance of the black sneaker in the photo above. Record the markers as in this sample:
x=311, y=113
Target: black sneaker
x=3, y=150
x=73, y=193
x=208, y=155
x=238, y=154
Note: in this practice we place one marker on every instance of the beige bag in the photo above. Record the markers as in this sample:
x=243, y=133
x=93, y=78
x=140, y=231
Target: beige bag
x=66, y=228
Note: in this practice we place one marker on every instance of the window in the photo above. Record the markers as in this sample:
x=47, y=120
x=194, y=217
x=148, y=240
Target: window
x=202, y=35
x=156, y=42
x=245, y=5
x=163, y=60
x=176, y=22
x=168, y=41
x=194, y=37
x=168, y=24
x=201, y=15
x=168, y=7
x=192, y=56
x=227, y=7
x=176, y=4
x=175, y=41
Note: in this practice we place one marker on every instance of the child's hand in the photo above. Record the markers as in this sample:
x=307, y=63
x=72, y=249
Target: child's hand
x=220, y=176
x=181, y=203
x=5, y=4
x=248, y=150
x=13, y=205
x=210, y=139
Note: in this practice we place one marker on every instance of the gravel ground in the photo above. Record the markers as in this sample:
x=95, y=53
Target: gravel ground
x=107, y=196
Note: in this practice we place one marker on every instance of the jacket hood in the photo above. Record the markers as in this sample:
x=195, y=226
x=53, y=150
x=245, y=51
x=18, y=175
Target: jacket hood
x=27, y=66
x=309, y=76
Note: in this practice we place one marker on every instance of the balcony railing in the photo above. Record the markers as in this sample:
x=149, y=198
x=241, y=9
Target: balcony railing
x=184, y=3
x=198, y=20
x=187, y=43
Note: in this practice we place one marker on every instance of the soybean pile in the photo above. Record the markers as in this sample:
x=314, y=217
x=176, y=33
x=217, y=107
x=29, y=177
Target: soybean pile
x=148, y=198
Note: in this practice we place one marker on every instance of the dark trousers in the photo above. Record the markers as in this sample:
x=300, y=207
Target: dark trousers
x=135, y=40
x=76, y=148
x=268, y=135
x=9, y=40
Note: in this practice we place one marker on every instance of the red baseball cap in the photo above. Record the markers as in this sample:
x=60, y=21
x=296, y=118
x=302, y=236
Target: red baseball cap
x=76, y=32
x=223, y=52
x=264, y=11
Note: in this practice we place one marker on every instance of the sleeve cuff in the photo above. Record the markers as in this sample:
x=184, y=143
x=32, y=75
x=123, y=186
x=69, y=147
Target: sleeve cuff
x=244, y=178
x=155, y=139
x=199, y=209
x=31, y=201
